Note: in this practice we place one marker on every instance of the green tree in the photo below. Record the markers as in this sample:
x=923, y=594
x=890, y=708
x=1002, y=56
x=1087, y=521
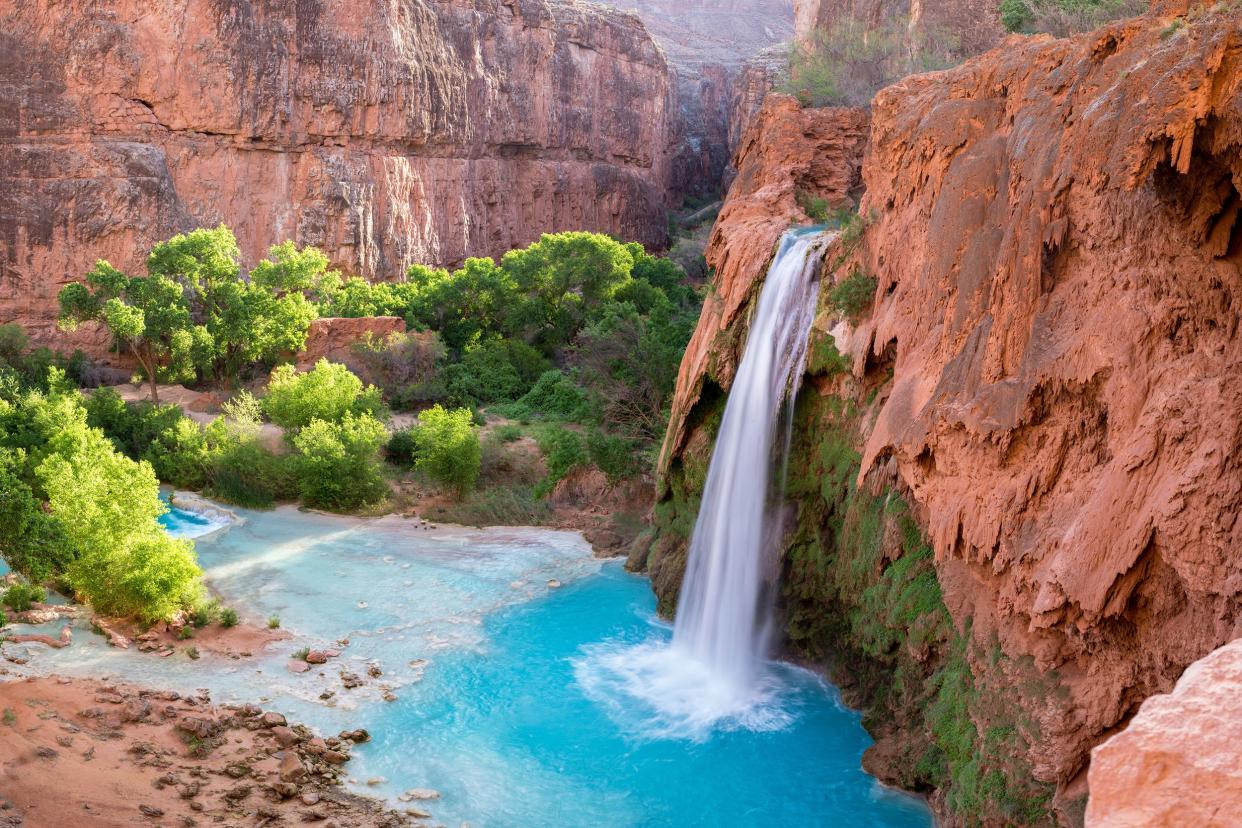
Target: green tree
x=148, y=315
x=449, y=451
x=337, y=463
x=329, y=391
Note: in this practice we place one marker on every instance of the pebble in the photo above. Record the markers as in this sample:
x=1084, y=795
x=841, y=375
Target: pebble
x=553, y=583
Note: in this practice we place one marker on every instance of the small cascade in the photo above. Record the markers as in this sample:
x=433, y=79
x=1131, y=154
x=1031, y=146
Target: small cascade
x=714, y=674
x=722, y=618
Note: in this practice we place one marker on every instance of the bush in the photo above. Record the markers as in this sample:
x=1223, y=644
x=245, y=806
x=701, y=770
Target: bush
x=35, y=544
x=508, y=433
x=553, y=397
x=22, y=595
x=1065, y=17
x=337, y=464
x=448, y=448
x=328, y=392
x=854, y=295
x=402, y=448
x=617, y=457
x=228, y=617
x=273, y=622
x=845, y=65
x=816, y=208
x=562, y=452
x=406, y=366
x=493, y=370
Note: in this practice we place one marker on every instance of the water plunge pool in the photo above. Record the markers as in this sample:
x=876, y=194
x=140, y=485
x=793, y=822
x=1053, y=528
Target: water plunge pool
x=509, y=701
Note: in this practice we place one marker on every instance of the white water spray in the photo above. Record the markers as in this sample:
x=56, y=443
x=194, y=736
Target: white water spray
x=713, y=674
x=722, y=619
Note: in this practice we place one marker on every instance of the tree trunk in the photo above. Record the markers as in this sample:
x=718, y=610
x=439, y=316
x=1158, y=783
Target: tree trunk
x=148, y=365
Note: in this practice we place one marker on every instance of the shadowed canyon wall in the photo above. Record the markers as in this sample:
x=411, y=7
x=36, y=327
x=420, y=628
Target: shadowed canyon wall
x=1030, y=427
x=386, y=133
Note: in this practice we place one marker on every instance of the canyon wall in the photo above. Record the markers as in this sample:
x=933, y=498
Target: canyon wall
x=1016, y=470
x=426, y=131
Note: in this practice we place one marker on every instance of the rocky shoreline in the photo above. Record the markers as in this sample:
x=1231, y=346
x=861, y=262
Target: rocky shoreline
x=87, y=752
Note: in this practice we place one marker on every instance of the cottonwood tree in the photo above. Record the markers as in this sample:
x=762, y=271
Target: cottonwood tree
x=148, y=315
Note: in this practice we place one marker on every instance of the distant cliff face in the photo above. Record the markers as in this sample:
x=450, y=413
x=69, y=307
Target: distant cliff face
x=721, y=51
x=384, y=133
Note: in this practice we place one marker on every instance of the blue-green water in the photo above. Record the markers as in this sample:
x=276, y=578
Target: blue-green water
x=513, y=696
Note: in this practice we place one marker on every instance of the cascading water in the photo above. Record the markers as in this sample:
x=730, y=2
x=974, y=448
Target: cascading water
x=721, y=619
x=714, y=674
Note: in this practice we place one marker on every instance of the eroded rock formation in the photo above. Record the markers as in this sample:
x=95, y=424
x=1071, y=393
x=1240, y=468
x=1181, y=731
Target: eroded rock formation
x=1048, y=374
x=1179, y=761
x=384, y=133
x=1058, y=257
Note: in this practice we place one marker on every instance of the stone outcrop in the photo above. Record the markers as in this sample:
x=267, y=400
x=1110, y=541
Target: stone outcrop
x=1179, y=761
x=786, y=149
x=1058, y=255
x=1047, y=375
x=334, y=338
x=384, y=133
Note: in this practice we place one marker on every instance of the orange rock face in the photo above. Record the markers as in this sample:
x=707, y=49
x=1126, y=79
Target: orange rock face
x=1179, y=761
x=384, y=133
x=1059, y=260
x=334, y=338
x=786, y=149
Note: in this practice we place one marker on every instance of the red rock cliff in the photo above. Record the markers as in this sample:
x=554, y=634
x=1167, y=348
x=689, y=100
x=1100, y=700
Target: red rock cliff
x=1051, y=371
x=385, y=133
x=1058, y=256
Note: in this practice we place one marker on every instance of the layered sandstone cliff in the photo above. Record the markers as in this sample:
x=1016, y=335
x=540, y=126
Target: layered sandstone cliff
x=422, y=131
x=1048, y=376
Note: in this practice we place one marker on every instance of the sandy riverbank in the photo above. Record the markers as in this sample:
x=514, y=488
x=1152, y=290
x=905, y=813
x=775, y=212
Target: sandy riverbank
x=81, y=752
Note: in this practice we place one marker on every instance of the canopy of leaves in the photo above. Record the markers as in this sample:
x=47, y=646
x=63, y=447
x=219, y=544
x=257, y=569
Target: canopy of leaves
x=328, y=392
x=337, y=463
x=448, y=449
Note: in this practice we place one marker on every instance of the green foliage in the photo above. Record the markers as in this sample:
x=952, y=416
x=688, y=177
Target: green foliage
x=273, y=622
x=99, y=531
x=328, y=392
x=563, y=451
x=22, y=595
x=554, y=396
x=510, y=505
x=1065, y=17
x=823, y=358
x=337, y=465
x=243, y=470
x=228, y=617
x=402, y=448
x=846, y=64
x=449, y=451
x=617, y=457
x=193, y=315
x=854, y=295
x=508, y=433
x=493, y=370
x=816, y=208
x=172, y=443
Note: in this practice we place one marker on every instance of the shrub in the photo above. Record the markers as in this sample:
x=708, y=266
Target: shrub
x=406, y=367
x=402, y=448
x=1065, y=17
x=854, y=295
x=448, y=448
x=508, y=433
x=203, y=613
x=328, y=392
x=553, y=397
x=617, y=457
x=846, y=64
x=493, y=370
x=22, y=595
x=337, y=464
x=816, y=208
x=273, y=622
x=562, y=452
x=498, y=506
x=228, y=617
x=35, y=543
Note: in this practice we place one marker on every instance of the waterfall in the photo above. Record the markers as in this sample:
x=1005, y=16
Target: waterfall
x=722, y=617
x=713, y=674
